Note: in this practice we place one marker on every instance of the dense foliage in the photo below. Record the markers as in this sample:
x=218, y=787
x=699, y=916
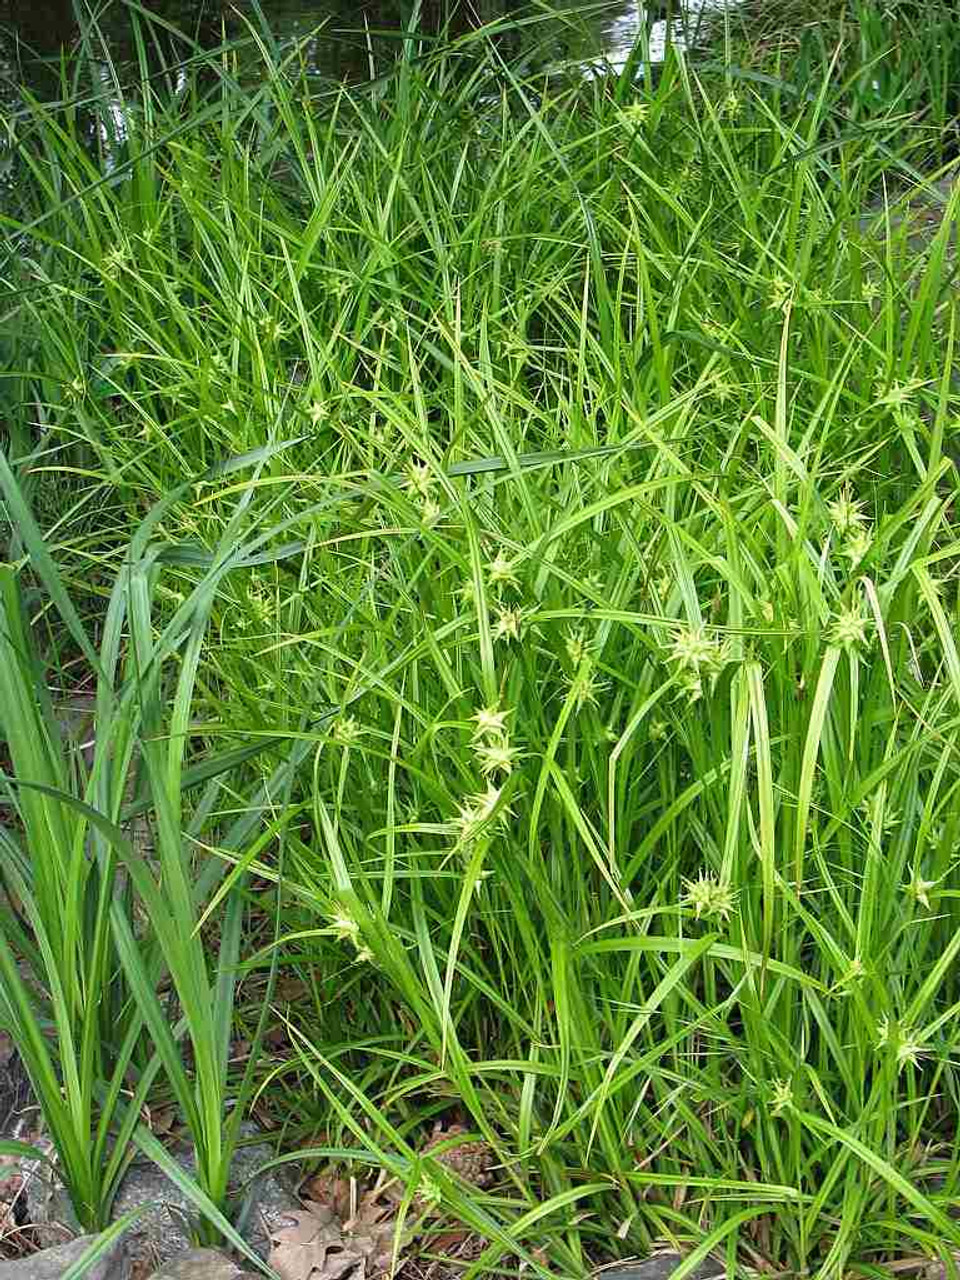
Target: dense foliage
x=587, y=604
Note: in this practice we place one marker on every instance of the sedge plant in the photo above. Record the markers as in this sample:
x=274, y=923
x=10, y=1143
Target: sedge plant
x=620, y=507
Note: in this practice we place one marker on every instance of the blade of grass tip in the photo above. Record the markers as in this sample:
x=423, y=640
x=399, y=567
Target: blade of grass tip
x=737, y=781
x=472, y=879
x=765, y=801
x=481, y=605
x=811, y=750
x=928, y=590
x=870, y=590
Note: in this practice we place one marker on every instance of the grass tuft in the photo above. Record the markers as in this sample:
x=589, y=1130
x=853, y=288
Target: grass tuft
x=605, y=586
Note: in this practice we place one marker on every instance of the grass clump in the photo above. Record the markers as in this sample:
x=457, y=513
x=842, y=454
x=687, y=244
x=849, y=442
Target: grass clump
x=610, y=594
x=108, y=976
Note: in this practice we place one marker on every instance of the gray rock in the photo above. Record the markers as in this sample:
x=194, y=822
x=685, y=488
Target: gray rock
x=165, y=1228
x=50, y=1264
x=660, y=1266
x=200, y=1264
x=48, y=1207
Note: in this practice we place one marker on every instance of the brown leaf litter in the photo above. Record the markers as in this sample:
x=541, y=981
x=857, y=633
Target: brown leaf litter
x=344, y=1233
x=321, y=1246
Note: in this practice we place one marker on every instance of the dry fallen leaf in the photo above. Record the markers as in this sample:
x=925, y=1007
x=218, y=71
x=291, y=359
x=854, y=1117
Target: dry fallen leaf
x=300, y=1251
x=334, y=1192
x=318, y=1246
x=447, y=1241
